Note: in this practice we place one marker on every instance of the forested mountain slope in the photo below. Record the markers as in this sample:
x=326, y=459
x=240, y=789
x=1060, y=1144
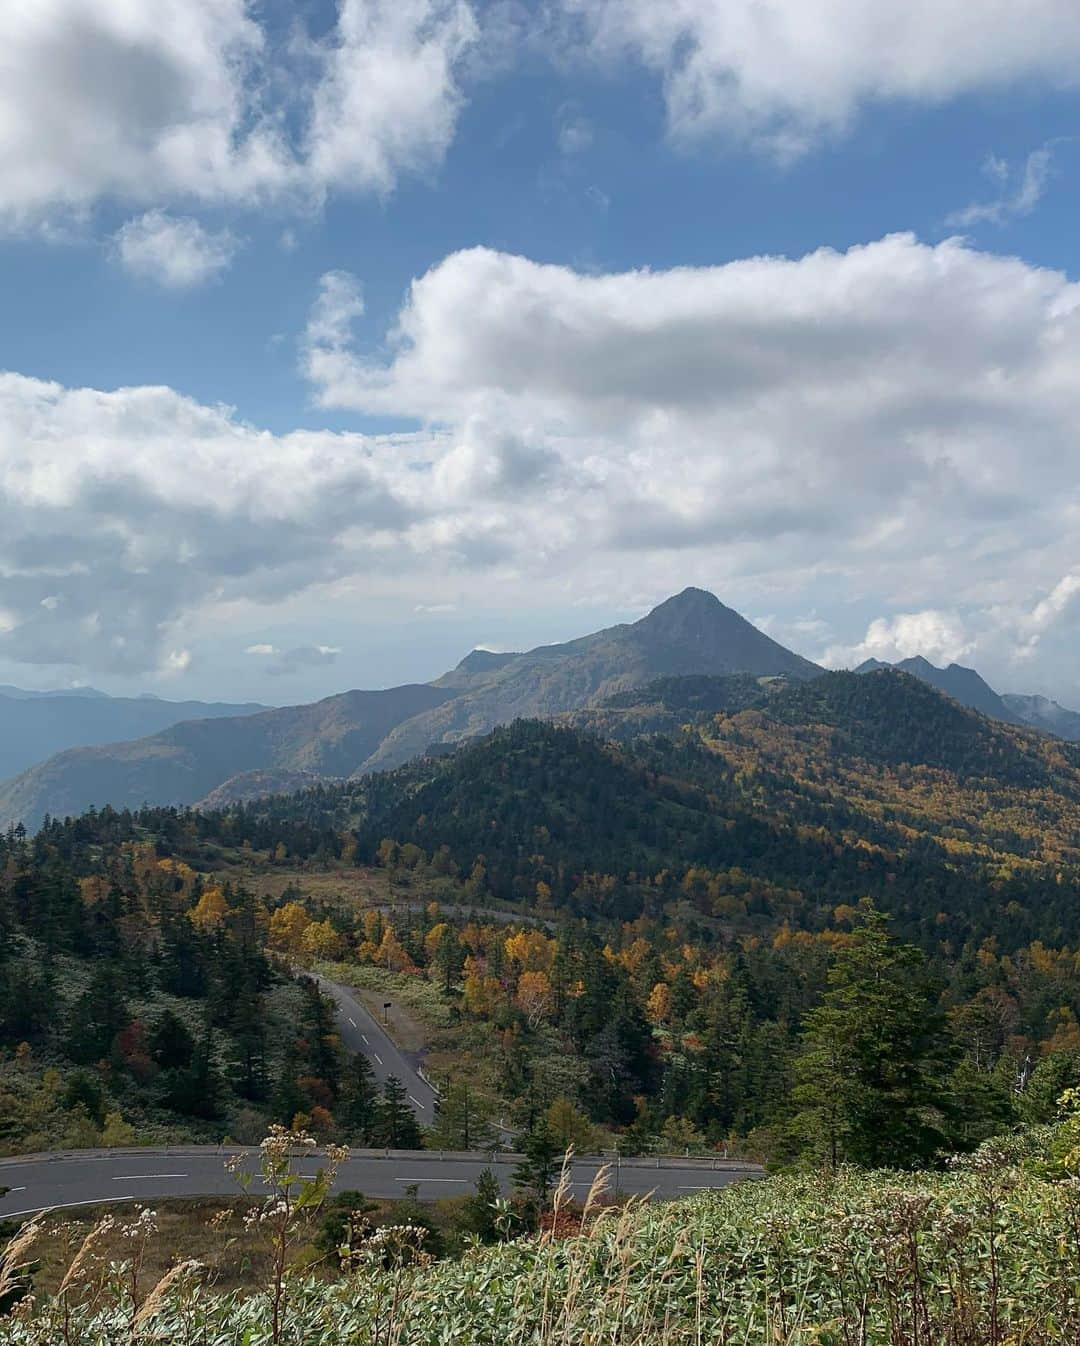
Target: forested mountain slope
x=670, y=913
x=817, y=795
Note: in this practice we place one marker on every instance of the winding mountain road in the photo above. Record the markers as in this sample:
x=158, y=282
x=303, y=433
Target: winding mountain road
x=30, y=1183
x=90, y=1177
x=360, y=1031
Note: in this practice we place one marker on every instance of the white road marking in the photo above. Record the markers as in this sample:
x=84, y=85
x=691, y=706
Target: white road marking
x=464, y=1181
x=14, y=1189
x=377, y=1057
x=353, y=1022
x=146, y=1177
x=364, y=1036
x=415, y=1100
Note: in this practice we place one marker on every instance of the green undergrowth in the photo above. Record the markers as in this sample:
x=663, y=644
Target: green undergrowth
x=985, y=1254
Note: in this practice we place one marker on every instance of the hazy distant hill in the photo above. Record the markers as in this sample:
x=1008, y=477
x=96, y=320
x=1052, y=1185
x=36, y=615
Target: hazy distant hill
x=35, y=725
x=692, y=633
x=1042, y=713
x=188, y=761
x=24, y=694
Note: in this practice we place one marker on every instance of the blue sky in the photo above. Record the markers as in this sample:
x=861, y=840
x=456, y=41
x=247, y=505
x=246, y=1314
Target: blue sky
x=868, y=452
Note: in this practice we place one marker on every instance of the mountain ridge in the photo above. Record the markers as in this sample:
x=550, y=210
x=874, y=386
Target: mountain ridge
x=358, y=732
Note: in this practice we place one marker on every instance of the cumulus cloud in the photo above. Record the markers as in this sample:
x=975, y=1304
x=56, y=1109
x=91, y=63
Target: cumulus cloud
x=190, y=99
x=900, y=413
x=937, y=636
x=176, y=253
x=894, y=424
x=785, y=73
x=387, y=100
x=125, y=510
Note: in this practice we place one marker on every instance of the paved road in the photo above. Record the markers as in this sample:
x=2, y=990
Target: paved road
x=361, y=1032
x=89, y=1177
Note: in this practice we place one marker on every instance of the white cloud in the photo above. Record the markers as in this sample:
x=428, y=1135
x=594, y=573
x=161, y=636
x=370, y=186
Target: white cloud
x=108, y=98
x=127, y=510
x=896, y=421
x=326, y=346
x=575, y=132
x=191, y=100
x=175, y=663
x=1034, y=180
x=788, y=72
x=893, y=425
x=387, y=100
x=937, y=636
x=174, y=252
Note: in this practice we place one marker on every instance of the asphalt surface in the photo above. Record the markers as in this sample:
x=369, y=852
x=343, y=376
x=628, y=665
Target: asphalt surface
x=360, y=1031
x=90, y=1177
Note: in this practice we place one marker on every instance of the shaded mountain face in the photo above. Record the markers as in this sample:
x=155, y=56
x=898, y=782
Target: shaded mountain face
x=1042, y=713
x=962, y=684
x=34, y=727
x=358, y=732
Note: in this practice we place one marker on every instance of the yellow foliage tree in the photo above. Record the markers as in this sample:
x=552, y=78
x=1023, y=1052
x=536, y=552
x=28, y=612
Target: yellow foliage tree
x=287, y=926
x=482, y=994
x=210, y=912
x=531, y=950
x=321, y=940
x=391, y=955
x=658, y=1005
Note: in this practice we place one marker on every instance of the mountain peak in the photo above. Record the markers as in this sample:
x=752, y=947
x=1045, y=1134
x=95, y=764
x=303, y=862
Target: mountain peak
x=689, y=602
x=962, y=684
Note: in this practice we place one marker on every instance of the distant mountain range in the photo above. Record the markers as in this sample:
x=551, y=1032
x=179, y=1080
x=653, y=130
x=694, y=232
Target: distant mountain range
x=34, y=725
x=971, y=690
x=359, y=732
x=689, y=656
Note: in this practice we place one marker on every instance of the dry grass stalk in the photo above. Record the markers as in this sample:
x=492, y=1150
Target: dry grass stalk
x=11, y=1265
x=157, y=1296
x=78, y=1262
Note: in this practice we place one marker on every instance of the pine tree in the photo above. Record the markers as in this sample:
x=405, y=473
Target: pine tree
x=395, y=1123
x=462, y=1121
x=872, y=1077
x=540, y=1163
x=357, y=1112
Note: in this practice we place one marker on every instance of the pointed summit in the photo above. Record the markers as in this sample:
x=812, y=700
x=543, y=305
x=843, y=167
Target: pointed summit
x=695, y=633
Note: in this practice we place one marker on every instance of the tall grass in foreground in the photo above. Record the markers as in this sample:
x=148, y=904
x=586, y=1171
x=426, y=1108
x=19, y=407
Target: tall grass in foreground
x=987, y=1254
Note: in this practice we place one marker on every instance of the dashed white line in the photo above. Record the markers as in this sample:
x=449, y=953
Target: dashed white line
x=377, y=1057
x=14, y=1189
x=414, y=1099
x=353, y=1022
x=364, y=1036
x=146, y=1177
x=463, y=1181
